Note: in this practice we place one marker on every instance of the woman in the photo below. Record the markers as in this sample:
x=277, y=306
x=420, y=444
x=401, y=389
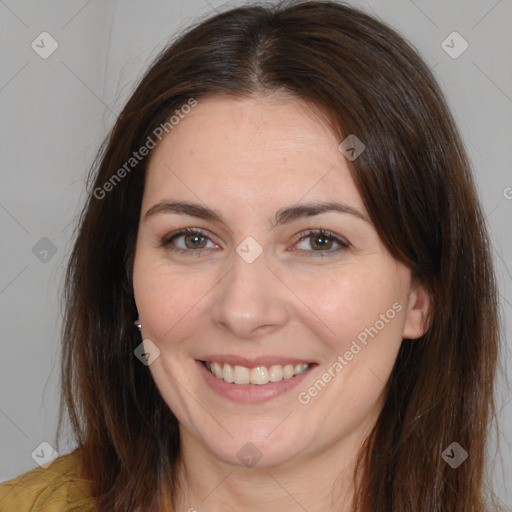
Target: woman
x=285, y=209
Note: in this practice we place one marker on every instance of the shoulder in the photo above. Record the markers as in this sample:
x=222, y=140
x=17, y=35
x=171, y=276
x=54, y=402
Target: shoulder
x=56, y=488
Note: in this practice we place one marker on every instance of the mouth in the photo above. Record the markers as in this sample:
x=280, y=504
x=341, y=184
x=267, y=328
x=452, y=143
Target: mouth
x=253, y=383
x=258, y=375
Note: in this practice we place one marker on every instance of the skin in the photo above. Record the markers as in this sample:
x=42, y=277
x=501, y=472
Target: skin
x=246, y=159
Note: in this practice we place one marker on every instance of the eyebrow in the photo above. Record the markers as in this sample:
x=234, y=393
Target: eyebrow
x=283, y=216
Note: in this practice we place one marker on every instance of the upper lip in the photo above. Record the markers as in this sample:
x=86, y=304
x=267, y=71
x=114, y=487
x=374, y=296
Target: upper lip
x=252, y=362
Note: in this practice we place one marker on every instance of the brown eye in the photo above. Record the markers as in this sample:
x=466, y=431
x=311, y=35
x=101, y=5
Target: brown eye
x=321, y=242
x=188, y=240
x=194, y=241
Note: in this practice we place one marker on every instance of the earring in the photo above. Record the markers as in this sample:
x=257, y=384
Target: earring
x=138, y=324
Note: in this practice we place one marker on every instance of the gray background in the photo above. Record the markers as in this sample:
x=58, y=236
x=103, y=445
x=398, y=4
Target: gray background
x=55, y=112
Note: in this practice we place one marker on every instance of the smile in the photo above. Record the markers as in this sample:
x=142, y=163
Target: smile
x=256, y=382
x=259, y=375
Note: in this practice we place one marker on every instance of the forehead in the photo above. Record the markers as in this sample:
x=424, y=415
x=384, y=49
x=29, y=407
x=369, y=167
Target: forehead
x=263, y=150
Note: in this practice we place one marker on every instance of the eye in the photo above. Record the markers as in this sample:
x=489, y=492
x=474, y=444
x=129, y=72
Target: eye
x=316, y=242
x=188, y=240
x=321, y=242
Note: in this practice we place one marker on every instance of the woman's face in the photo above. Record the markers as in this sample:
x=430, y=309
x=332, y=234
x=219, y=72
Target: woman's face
x=259, y=297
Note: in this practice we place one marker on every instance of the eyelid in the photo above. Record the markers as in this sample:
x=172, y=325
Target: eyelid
x=184, y=231
x=342, y=242
x=167, y=239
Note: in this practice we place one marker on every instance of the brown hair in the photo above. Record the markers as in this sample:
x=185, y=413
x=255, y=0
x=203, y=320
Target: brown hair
x=415, y=181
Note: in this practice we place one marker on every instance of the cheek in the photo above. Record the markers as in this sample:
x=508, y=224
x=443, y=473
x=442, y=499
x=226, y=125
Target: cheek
x=166, y=299
x=343, y=305
x=358, y=315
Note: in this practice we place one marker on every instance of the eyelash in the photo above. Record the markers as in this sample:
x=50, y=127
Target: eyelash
x=166, y=241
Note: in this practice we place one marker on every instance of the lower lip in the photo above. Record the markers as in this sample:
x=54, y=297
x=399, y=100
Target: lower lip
x=251, y=392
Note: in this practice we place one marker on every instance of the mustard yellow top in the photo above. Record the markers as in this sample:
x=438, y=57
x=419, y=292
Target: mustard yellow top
x=56, y=488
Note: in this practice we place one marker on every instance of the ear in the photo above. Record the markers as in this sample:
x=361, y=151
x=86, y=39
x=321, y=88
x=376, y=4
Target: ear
x=417, y=314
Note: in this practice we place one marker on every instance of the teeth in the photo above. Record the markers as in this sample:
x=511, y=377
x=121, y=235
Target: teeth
x=217, y=370
x=259, y=375
x=275, y=373
x=288, y=371
x=227, y=373
x=241, y=374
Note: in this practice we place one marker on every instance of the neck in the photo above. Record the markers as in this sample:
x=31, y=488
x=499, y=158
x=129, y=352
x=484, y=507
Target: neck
x=320, y=482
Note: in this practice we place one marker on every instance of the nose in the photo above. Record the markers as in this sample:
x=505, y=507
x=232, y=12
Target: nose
x=250, y=301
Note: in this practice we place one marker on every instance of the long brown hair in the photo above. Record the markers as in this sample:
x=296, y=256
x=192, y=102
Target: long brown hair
x=415, y=181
